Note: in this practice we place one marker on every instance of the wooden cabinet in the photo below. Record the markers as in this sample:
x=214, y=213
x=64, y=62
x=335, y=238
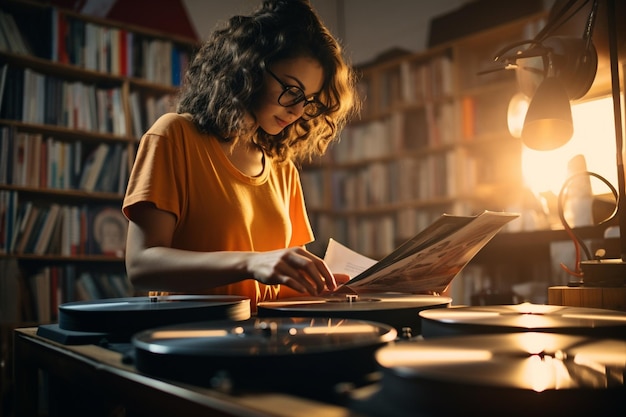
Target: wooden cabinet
x=432, y=138
x=77, y=93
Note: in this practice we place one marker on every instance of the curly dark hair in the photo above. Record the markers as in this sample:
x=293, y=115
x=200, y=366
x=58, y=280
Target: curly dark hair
x=225, y=78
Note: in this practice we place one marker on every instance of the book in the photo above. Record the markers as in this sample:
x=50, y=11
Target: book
x=3, y=78
x=425, y=264
x=10, y=302
x=87, y=281
x=42, y=214
x=26, y=229
x=48, y=226
x=9, y=219
x=109, y=174
x=40, y=291
x=23, y=214
x=94, y=164
x=56, y=236
x=15, y=40
x=123, y=176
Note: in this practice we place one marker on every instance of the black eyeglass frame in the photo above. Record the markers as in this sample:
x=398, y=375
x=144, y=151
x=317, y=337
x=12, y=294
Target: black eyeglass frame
x=297, y=92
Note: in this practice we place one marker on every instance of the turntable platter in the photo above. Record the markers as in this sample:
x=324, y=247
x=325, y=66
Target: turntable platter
x=517, y=374
x=276, y=353
x=395, y=309
x=521, y=318
x=125, y=316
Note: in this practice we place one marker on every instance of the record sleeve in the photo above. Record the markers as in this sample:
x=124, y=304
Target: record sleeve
x=428, y=262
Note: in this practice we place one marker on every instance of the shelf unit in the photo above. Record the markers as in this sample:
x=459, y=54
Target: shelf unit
x=74, y=105
x=77, y=92
x=432, y=138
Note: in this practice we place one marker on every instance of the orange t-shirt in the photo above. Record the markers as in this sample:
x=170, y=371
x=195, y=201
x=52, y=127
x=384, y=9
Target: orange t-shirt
x=217, y=208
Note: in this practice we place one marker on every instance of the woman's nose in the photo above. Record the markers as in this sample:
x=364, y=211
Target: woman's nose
x=297, y=109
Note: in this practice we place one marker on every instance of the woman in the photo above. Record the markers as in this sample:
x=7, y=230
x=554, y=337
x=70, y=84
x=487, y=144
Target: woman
x=214, y=199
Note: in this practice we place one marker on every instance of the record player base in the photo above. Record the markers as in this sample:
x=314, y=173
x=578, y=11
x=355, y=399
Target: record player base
x=90, y=380
x=610, y=298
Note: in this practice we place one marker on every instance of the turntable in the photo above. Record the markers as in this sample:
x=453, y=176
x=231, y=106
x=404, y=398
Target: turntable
x=307, y=356
x=117, y=319
x=522, y=318
x=516, y=374
x=399, y=310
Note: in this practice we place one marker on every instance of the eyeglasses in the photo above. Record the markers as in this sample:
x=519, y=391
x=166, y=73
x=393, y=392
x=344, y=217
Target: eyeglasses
x=292, y=95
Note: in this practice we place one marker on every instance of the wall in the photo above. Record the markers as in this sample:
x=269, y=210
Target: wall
x=365, y=27
x=373, y=26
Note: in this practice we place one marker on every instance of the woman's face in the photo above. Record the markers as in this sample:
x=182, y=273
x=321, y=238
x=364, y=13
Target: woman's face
x=305, y=73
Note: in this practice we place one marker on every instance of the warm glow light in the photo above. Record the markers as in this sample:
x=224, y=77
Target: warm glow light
x=594, y=137
x=538, y=372
x=192, y=334
x=516, y=113
x=431, y=356
x=599, y=317
x=544, y=368
x=530, y=308
x=298, y=302
x=534, y=343
x=352, y=328
x=611, y=356
x=474, y=315
x=545, y=372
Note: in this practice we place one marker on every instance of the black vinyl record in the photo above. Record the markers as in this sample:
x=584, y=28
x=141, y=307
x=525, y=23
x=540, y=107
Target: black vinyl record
x=522, y=318
x=292, y=354
x=516, y=374
x=125, y=316
x=395, y=309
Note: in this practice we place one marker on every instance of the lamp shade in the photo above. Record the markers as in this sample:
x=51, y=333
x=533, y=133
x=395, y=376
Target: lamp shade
x=548, y=123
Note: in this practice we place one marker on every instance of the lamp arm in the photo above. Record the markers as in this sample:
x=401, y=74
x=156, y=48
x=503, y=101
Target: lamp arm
x=591, y=19
x=617, y=114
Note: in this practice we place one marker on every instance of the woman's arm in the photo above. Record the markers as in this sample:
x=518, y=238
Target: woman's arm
x=152, y=263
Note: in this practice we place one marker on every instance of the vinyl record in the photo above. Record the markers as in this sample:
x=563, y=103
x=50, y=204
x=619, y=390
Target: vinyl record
x=125, y=316
x=395, y=309
x=522, y=318
x=292, y=354
x=517, y=374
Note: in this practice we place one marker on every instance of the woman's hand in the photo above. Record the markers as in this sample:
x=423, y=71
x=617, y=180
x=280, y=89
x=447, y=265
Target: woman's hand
x=294, y=267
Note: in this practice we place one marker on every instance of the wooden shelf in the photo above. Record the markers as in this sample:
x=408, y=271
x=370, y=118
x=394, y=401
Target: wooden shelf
x=57, y=259
x=432, y=138
x=49, y=154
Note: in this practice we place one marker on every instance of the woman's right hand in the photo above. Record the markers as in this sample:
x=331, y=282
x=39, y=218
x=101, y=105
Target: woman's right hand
x=295, y=267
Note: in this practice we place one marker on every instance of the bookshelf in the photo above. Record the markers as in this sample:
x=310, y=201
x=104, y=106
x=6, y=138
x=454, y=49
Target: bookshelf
x=432, y=138
x=76, y=94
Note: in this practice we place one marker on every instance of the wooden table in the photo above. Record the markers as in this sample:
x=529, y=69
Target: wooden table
x=66, y=380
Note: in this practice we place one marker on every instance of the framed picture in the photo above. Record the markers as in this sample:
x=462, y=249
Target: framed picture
x=108, y=231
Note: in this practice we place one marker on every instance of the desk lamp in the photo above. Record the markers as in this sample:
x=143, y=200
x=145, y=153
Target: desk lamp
x=553, y=70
